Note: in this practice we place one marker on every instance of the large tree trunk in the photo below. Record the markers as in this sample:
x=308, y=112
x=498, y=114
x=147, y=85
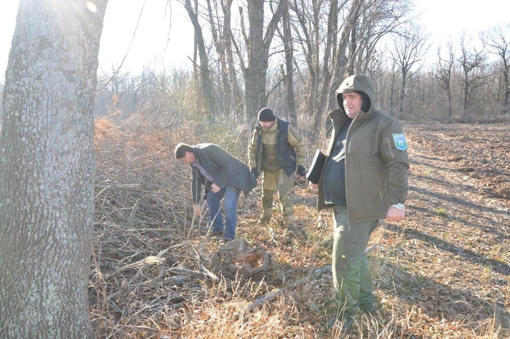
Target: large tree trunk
x=258, y=55
x=47, y=170
x=339, y=64
x=257, y=64
x=290, y=106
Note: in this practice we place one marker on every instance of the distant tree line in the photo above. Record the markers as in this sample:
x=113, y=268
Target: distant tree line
x=291, y=55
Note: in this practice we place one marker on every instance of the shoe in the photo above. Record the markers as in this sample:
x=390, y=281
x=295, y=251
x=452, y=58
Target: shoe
x=225, y=240
x=264, y=220
x=368, y=309
x=291, y=232
x=216, y=233
x=346, y=321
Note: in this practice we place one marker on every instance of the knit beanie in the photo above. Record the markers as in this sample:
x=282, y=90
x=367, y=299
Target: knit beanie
x=266, y=114
x=365, y=106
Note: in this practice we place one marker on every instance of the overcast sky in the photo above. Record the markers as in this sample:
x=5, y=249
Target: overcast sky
x=153, y=45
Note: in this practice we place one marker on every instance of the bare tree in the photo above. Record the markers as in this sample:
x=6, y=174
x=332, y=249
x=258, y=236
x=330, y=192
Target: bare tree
x=258, y=43
x=219, y=16
x=316, y=31
x=471, y=59
x=444, y=73
x=290, y=106
x=499, y=44
x=393, y=86
x=365, y=24
x=409, y=48
x=215, y=23
x=376, y=19
x=47, y=170
x=339, y=58
x=210, y=107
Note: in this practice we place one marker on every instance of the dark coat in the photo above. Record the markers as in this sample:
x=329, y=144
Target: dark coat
x=223, y=167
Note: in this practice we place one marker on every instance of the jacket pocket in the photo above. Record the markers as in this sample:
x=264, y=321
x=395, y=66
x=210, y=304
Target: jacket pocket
x=387, y=149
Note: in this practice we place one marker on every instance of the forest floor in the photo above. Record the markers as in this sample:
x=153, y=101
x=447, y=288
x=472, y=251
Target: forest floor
x=444, y=272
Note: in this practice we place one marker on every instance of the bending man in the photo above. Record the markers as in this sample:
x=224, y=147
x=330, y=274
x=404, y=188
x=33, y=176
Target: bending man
x=222, y=175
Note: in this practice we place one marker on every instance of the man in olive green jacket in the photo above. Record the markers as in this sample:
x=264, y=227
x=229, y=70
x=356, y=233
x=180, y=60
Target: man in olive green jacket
x=275, y=149
x=364, y=179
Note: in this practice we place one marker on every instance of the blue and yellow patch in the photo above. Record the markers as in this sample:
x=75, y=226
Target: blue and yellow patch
x=400, y=141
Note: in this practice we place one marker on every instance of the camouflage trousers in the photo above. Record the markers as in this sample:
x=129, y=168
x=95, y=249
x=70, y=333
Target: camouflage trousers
x=351, y=275
x=280, y=181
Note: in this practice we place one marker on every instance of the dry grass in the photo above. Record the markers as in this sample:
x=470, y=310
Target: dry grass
x=437, y=275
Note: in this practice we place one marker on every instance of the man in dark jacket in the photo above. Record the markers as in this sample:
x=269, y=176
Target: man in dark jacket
x=222, y=175
x=276, y=149
x=364, y=179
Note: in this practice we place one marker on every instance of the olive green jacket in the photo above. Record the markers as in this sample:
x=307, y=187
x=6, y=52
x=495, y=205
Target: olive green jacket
x=258, y=137
x=376, y=160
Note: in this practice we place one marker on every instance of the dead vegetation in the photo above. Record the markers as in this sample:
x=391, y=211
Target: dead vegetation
x=443, y=273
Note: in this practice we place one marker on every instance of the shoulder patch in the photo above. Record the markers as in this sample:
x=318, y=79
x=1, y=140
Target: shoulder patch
x=400, y=141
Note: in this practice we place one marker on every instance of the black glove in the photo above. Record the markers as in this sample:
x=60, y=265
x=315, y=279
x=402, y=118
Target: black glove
x=255, y=172
x=301, y=172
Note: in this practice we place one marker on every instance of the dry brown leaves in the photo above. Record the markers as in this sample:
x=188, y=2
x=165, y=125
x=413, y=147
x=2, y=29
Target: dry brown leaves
x=443, y=273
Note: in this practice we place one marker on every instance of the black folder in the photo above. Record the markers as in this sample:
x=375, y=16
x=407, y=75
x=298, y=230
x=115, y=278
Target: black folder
x=314, y=173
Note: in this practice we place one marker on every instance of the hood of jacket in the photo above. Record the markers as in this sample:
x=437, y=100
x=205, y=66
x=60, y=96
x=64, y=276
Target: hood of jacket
x=359, y=83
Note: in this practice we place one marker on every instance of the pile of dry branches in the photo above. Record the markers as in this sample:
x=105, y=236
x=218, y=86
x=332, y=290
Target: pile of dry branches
x=154, y=262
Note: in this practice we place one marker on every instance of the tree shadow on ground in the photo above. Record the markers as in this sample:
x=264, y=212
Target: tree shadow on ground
x=466, y=210
x=429, y=165
x=475, y=258
x=439, y=301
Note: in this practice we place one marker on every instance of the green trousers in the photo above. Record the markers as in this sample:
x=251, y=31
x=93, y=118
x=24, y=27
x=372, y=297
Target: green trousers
x=351, y=276
x=280, y=181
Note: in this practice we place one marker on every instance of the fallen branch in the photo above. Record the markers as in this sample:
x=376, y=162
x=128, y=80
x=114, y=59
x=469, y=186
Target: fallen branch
x=316, y=273
x=150, y=260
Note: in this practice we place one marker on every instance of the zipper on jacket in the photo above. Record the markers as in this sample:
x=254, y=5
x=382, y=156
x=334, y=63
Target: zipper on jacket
x=346, y=192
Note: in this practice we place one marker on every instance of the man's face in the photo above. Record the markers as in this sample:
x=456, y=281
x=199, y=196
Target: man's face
x=189, y=158
x=352, y=104
x=266, y=124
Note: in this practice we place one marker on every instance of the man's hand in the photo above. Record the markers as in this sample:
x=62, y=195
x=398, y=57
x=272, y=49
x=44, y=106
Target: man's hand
x=313, y=186
x=198, y=210
x=255, y=172
x=395, y=214
x=215, y=188
x=301, y=172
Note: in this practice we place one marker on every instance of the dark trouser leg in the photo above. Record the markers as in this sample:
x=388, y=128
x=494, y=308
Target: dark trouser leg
x=365, y=292
x=351, y=276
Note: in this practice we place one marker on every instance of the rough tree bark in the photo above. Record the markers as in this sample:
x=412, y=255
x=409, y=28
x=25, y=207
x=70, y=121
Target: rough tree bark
x=339, y=61
x=47, y=170
x=258, y=45
x=290, y=107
